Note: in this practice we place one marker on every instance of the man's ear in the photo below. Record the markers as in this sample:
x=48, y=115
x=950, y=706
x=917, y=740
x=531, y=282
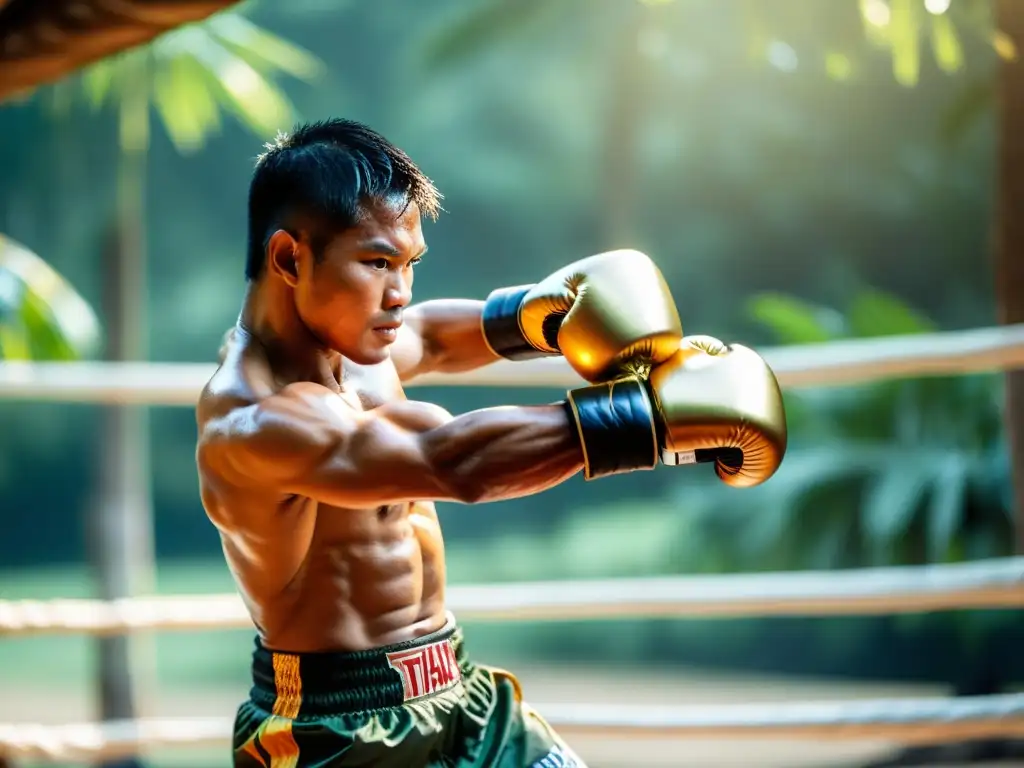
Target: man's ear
x=283, y=256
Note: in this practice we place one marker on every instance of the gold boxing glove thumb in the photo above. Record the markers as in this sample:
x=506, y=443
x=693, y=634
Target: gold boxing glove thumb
x=723, y=404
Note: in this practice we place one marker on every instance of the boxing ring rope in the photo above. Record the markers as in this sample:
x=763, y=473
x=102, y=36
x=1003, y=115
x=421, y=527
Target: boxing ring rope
x=907, y=721
x=835, y=363
x=988, y=584
x=984, y=584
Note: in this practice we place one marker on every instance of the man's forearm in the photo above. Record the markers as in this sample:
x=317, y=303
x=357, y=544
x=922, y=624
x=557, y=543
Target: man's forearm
x=503, y=453
x=451, y=335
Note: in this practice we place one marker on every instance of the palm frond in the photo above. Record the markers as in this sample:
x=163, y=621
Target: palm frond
x=193, y=75
x=187, y=107
x=239, y=88
x=263, y=49
x=41, y=315
x=877, y=313
x=947, y=506
x=892, y=500
x=795, y=321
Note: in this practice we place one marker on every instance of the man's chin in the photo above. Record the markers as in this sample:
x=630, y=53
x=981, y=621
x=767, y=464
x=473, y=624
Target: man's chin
x=368, y=356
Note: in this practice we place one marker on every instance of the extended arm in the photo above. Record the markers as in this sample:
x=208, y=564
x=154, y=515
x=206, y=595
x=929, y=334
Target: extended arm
x=598, y=312
x=305, y=441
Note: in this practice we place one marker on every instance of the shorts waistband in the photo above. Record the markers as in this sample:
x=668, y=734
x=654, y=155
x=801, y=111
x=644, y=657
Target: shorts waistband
x=326, y=683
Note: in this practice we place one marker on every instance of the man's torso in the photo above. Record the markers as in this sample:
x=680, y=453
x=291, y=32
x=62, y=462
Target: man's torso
x=316, y=577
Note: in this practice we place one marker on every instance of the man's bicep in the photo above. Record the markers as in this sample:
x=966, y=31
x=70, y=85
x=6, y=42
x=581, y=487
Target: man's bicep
x=362, y=460
x=372, y=463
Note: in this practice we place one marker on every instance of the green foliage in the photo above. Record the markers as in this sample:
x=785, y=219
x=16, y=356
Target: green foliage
x=190, y=77
x=895, y=472
x=904, y=29
x=41, y=316
x=794, y=321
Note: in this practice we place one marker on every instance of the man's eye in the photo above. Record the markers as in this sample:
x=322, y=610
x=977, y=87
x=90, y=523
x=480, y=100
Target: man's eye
x=378, y=263
x=415, y=261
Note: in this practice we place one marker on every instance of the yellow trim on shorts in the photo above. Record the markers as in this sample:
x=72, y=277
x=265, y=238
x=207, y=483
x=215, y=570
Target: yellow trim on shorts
x=277, y=739
x=288, y=685
x=276, y=735
x=504, y=673
x=250, y=749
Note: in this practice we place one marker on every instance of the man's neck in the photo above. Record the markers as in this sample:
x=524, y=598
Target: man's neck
x=269, y=319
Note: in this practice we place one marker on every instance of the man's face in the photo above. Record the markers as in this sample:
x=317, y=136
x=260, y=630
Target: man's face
x=353, y=297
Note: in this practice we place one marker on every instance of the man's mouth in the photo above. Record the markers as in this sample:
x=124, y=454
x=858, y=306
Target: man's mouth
x=388, y=331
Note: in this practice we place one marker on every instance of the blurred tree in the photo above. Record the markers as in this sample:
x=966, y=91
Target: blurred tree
x=632, y=35
x=189, y=77
x=1003, y=95
x=1009, y=231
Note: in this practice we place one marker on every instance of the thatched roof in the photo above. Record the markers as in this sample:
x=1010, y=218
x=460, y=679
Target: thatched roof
x=43, y=40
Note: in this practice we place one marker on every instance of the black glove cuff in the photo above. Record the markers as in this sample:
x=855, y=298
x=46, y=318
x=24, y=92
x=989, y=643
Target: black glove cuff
x=616, y=426
x=501, y=324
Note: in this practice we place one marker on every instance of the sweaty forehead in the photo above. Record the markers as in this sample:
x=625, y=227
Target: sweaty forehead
x=394, y=225
x=397, y=215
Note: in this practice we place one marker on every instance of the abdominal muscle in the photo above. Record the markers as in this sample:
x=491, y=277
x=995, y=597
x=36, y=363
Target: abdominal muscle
x=370, y=578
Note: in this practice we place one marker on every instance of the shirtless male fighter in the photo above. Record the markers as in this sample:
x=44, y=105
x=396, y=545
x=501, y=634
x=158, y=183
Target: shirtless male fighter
x=320, y=475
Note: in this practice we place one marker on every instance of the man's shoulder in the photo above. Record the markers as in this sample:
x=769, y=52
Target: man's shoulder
x=223, y=397
x=270, y=426
x=229, y=393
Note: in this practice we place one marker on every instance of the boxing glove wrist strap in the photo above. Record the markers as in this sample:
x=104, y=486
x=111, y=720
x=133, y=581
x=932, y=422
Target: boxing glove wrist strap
x=615, y=421
x=500, y=323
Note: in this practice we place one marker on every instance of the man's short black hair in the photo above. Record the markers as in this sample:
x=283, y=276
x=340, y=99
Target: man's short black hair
x=320, y=175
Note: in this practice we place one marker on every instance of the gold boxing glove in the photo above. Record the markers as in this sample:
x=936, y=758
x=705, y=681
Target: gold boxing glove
x=605, y=314
x=709, y=403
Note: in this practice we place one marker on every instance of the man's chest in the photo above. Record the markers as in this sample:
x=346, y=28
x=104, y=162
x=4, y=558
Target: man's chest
x=368, y=387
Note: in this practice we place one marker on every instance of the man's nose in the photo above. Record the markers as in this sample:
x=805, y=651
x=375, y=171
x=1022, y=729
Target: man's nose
x=398, y=292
